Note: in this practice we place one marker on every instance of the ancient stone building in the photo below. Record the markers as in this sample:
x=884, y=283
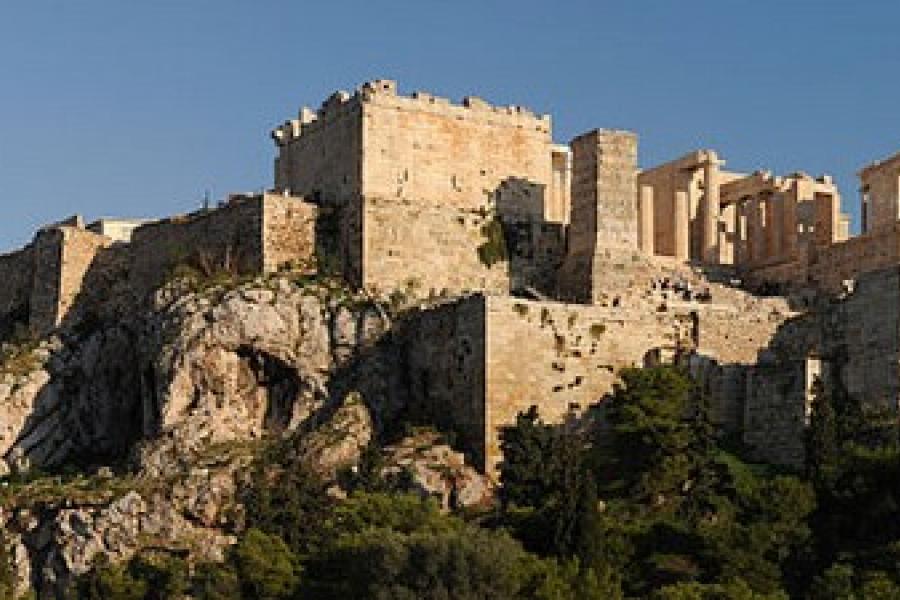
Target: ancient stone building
x=68, y=269
x=692, y=209
x=880, y=191
x=418, y=184
x=550, y=266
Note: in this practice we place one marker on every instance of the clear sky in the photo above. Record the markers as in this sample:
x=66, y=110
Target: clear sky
x=134, y=109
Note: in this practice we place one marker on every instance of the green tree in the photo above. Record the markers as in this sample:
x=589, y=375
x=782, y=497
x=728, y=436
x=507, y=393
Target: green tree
x=531, y=470
x=822, y=436
x=733, y=590
x=288, y=501
x=110, y=582
x=265, y=566
x=215, y=582
x=660, y=435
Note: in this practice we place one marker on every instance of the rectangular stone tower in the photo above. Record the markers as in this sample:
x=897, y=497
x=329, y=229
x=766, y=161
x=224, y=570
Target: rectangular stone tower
x=603, y=235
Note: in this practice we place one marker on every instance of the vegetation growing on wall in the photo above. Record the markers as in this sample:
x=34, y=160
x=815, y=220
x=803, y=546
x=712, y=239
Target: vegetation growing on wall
x=494, y=249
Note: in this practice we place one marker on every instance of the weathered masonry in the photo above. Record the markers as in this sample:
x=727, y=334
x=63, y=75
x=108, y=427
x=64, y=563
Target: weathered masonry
x=476, y=362
x=419, y=189
x=70, y=270
x=549, y=266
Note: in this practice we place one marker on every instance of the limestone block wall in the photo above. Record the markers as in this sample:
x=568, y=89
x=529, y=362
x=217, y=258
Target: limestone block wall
x=16, y=273
x=863, y=333
x=379, y=143
x=64, y=257
x=557, y=356
x=425, y=248
x=603, y=230
x=735, y=334
x=289, y=231
x=445, y=356
x=231, y=234
x=80, y=249
x=560, y=356
x=854, y=343
x=425, y=147
x=477, y=362
x=776, y=412
x=320, y=152
x=45, y=289
x=790, y=273
x=251, y=234
x=831, y=265
x=881, y=194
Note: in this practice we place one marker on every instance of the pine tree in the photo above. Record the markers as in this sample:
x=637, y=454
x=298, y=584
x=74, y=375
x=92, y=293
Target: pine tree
x=822, y=435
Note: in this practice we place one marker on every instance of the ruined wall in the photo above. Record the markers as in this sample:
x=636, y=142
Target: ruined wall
x=436, y=162
x=445, y=355
x=426, y=247
x=831, y=265
x=477, y=362
x=64, y=256
x=853, y=342
x=557, y=356
x=777, y=411
x=45, y=289
x=826, y=267
x=79, y=253
x=881, y=194
x=16, y=273
x=424, y=147
x=249, y=234
x=788, y=273
x=863, y=335
x=231, y=235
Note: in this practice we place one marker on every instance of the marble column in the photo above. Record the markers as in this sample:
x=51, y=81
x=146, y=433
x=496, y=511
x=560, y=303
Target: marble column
x=710, y=212
x=775, y=222
x=682, y=226
x=740, y=232
x=790, y=222
x=758, y=220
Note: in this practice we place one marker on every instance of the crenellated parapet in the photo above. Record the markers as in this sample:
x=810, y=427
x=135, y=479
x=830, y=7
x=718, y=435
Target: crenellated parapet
x=385, y=92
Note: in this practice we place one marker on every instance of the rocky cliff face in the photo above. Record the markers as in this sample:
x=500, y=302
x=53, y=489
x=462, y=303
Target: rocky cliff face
x=174, y=399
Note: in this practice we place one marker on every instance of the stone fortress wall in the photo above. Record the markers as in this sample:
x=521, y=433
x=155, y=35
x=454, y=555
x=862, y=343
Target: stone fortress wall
x=564, y=357
x=415, y=181
x=59, y=276
x=17, y=273
x=559, y=265
x=602, y=236
x=249, y=234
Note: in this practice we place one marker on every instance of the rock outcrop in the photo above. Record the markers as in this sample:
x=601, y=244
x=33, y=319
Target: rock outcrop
x=175, y=399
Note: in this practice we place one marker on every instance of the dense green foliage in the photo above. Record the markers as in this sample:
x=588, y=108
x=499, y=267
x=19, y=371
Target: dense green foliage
x=650, y=505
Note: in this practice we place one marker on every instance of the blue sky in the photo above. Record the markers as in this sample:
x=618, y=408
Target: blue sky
x=115, y=108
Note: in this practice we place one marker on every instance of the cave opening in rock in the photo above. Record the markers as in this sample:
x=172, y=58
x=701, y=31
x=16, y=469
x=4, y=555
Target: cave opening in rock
x=280, y=381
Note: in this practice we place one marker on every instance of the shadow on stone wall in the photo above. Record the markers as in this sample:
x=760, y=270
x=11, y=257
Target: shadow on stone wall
x=535, y=247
